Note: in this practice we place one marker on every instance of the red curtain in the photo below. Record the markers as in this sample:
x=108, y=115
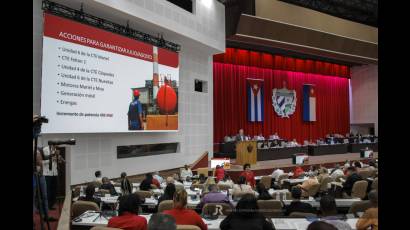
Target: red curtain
x=230, y=99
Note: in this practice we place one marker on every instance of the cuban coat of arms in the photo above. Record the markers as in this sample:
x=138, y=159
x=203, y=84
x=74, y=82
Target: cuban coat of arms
x=284, y=101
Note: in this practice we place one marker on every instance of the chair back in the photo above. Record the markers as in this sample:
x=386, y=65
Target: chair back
x=165, y=205
x=80, y=206
x=359, y=189
x=267, y=181
x=359, y=206
x=187, y=227
x=211, y=208
x=324, y=183
x=375, y=183
x=104, y=228
x=313, y=190
x=179, y=187
x=365, y=173
x=302, y=215
x=223, y=187
x=337, y=179
x=270, y=208
x=144, y=194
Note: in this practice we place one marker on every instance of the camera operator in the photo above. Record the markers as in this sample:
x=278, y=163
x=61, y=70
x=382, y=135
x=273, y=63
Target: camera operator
x=50, y=162
x=42, y=184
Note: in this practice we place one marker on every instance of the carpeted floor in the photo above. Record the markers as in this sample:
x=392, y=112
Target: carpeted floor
x=53, y=225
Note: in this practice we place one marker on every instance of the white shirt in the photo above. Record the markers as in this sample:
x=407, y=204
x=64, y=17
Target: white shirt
x=46, y=169
x=228, y=182
x=336, y=173
x=277, y=173
x=185, y=173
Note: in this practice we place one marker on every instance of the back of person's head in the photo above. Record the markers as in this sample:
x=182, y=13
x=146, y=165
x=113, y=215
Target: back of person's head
x=159, y=221
x=129, y=203
x=186, y=167
x=247, y=205
x=328, y=205
x=148, y=176
x=296, y=193
x=245, y=166
x=212, y=188
x=202, y=178
x=357, y=164
x=242, y=180
x=170, y=191
x=321, y=225
x=226, y=177
x=260, y=188
x=374, y=197
x=372, y=163
x=105, y=180
x=123, y=175
x=90, y=190
x=351, y=169
x=170, y=180
x=97, y=173
x=180, y=198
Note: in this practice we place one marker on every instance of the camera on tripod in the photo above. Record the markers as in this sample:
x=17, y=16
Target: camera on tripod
x=62, y=142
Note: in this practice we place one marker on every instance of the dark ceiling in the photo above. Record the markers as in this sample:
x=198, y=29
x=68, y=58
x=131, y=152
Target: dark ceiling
x=361, y=11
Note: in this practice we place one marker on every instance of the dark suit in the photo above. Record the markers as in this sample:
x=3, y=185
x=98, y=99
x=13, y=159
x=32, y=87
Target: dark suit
x=109, y=187
x=298, y=206
x=240, y=137
x=348, y=184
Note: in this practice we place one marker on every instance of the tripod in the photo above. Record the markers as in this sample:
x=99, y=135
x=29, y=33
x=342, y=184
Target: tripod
x=39, y=192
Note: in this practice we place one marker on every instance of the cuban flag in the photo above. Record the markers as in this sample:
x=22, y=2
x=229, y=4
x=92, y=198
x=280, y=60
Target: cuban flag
x=309, y=103
x=255, y=99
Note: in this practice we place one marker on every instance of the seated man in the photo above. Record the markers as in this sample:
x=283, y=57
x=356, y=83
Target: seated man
x=307, y=185
x=186, y=172
x=296, y=205
x=213, y=196
x=352, y=177
x=89, y=195
x=337, y=171
x=107, y=185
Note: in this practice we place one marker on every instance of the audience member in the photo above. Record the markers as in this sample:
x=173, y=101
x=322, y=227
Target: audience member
x=168, y=193
x=158, y=177
x=182, y=215
x=128, y=218
x=107, y=185
x=370, y=218
x=148, y=182
x=89, y=195
x=298, y=172
x=186, y=172
x=296, y=205
x=357, y=164
x=323, y=173
x=241, y=187
x=159, y=221
x=213, y=196
x=276, y=173
x=336, y=172
x=263, y=192
x=98, y=177
x=219, y=173
x=249, y=175
x=329, y=213
x=307, y=185
x=226, y=181
x=246, y=216
x=352, y=177
x=126, y=186
x=321, y=225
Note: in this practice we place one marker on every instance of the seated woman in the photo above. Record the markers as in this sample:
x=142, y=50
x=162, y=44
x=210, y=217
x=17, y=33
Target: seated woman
x=263, y=192
x=241, y=188
x=246, y=216
x=89, y=195
x=128, y=218
x=182, y=215
x=249, y=175
x=219, y=173
x=168, y=193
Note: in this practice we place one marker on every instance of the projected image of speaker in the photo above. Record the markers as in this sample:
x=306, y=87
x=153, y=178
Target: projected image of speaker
x=300, y=158
x=366, y=153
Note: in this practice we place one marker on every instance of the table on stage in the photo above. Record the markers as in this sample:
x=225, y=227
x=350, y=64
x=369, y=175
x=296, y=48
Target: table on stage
x=317, y=150
x=356, y=147
x=275, y=153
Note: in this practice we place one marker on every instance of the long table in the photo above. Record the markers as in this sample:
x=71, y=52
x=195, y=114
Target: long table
x=317, y=150
x=356, y=147
x=279, y=152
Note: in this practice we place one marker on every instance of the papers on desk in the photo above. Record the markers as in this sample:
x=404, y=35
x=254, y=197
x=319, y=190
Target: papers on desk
x=282, y=224
x=109, y=200
x=151, y=201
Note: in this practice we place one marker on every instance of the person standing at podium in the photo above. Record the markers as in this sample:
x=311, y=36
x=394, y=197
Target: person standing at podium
x=249, y=175
x=240, y=136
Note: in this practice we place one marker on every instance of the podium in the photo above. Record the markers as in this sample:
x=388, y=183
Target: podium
x=246, y=152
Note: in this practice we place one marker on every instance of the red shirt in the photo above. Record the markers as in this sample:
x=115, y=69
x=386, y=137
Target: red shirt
x=250, y=177
x=128, y=221
x=186, y=217
x=297, y=172
x=156, y=182
x=219, y=174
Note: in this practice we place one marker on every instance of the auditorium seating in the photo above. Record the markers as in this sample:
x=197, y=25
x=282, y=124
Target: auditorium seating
x=375, y=183
x=267, y=181
x=301, y=215
x=223, y=187
x=187, y=227
x=209, y=209
x=324, y=184
x=270, y=208
x=359, y=190
x=144, y=194
x=359, y=206
x=79, y=207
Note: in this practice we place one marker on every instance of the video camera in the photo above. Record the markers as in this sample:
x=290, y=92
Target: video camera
x=64, y=142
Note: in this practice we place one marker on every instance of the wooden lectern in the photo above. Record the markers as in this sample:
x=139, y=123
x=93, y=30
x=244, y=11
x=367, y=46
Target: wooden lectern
x=246, y=152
